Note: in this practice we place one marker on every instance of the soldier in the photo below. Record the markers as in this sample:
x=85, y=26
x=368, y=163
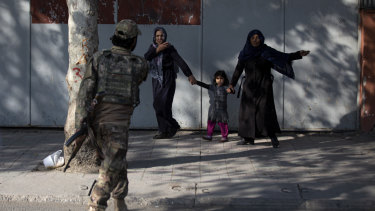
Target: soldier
x=117, y=74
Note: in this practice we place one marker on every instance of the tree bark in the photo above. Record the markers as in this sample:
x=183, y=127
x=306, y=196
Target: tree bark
x=83, y=42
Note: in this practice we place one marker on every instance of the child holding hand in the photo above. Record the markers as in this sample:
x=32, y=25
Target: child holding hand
x=217, y=112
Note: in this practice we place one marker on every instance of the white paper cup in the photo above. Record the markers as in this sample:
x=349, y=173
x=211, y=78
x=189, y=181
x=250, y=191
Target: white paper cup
x=53, y=159
x=60, y=162
x=48, y=161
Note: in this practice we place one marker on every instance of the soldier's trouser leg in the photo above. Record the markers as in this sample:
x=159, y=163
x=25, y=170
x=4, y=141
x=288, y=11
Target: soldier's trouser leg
x=113, y=139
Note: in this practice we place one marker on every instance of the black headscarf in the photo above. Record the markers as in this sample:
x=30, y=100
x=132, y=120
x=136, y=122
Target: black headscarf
x=249, y=51
x=280, y=61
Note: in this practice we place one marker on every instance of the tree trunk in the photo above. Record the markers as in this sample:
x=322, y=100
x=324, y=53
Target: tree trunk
x=83, y=42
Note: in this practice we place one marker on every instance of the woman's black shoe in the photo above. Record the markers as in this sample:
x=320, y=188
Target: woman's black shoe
x=246, y=141
x=172, y=132
x=250, y=141
x=275, y=142
x=161, y=136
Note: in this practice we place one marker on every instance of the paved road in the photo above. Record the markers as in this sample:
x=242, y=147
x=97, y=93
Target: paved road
x=310, y=171
x=30, y=206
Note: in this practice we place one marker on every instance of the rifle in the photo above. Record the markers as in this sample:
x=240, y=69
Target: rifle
x=80, y=136
x=80, y=132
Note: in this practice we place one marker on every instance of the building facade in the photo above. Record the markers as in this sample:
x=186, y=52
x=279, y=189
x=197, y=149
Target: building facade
x=334, y=87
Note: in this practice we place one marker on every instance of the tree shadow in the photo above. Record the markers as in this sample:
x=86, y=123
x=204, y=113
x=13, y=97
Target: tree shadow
x=309, y=165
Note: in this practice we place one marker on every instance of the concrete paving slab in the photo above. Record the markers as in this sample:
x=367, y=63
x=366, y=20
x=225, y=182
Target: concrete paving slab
x=327, y=171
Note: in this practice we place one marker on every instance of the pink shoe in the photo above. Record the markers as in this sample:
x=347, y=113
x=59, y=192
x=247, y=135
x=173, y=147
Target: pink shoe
x=208, y=138
x=224, y=139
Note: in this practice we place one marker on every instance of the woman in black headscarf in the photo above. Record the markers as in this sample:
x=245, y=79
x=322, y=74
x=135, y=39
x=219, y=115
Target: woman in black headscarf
x=257, y=115
x=163, y=58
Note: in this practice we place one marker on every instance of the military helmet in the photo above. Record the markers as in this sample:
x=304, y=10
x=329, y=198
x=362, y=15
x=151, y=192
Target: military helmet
x=126, y=29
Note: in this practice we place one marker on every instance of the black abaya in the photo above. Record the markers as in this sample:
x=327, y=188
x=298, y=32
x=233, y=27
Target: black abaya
x=163, y=92
x=257, y=115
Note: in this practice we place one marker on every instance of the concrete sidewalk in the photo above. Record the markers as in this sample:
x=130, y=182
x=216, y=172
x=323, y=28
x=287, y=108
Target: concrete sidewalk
x=310, y=171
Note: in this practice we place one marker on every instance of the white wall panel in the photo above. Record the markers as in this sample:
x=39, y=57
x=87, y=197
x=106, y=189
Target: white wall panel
x=49, y=64
x=324, y=94
x=14, y=63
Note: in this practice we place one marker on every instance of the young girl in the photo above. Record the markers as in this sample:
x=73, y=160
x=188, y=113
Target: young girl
x=217, y=112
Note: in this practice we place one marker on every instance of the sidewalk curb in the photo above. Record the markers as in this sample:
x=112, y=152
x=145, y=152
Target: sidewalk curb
x=202, y=202
x=288, y=204
x=72, y=199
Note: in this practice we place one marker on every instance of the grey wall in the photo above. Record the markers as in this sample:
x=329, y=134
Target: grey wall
x=323, y=96
x=14, y=63
x=49, y=64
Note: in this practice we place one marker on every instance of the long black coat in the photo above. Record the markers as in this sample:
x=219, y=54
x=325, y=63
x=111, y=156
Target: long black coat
x=257, y=115
x=164, y=93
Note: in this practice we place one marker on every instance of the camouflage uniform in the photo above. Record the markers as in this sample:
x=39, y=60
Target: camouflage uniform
x=117, y=73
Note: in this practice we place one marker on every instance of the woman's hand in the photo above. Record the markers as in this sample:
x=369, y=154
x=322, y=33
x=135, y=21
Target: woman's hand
x=192, y=80
x=304, y=53
x=230, y=89
x=162, y=47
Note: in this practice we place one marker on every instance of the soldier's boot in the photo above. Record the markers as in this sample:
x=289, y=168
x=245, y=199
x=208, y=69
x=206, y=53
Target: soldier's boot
x=120, y=205
x=96, y=209
x=94, y=206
